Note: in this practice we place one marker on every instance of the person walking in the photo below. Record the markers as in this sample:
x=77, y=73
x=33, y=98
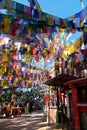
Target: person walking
x=31, y=106
x=27, y=105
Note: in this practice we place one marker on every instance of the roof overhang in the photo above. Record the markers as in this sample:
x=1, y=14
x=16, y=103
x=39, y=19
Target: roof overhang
x=80, y=81
x=59, y=80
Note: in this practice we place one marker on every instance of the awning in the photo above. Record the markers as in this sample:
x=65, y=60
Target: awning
x=80, y=81
x=60, y=79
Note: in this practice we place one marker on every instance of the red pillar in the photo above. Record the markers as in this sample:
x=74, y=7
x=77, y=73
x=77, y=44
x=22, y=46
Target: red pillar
x=75, y=108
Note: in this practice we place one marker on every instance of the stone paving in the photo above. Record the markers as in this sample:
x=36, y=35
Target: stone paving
x=34, y=121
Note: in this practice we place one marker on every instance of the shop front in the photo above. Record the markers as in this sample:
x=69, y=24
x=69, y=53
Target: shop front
x=79, y=102
x=60, y=113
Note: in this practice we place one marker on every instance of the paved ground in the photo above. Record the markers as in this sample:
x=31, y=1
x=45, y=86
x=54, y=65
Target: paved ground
x=32, y=121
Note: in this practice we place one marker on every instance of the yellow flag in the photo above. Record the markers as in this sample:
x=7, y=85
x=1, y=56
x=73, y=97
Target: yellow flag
x=43, y=16
x=6, y=22
x=38, y=8
x=73, y=16
x=8, y=5
x=50, y=20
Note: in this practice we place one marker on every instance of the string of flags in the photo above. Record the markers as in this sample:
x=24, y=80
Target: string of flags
x=34, y=44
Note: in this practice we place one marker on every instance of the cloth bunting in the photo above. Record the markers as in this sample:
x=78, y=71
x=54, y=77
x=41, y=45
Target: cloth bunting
x=62, y=23
x=8, y=5
x=50, y=20
x=19, y=7
x=78, y=18
x=18, y=44
x=1, y=19
x=4, y=40
x=28, y=11
x=36, y=14
x=72, y=17
x=28, y=40
x=44, y=29
x=84, y=29
x=6, y=24
x=80, y=57
x=57, y=20
x=14, y=5
x=85, y=38
x=23, y=11
x=28, y=59
x=83, y=15
x=2, y=4
x=0, y=87
x=77, y=15
x=77, y=22
x=38, y=7
x=32, y=3
x=43, y=16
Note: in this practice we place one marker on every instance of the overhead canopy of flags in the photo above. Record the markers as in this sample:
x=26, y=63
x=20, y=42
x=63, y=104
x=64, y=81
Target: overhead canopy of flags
x=35, y=13
x=33, y=45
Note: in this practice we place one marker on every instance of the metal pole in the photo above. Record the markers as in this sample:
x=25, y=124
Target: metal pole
x=58, y=108
x=49, y=108
x=82, y=3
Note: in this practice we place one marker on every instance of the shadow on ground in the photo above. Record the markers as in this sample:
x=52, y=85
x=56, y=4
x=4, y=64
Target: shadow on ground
x=32, y=121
